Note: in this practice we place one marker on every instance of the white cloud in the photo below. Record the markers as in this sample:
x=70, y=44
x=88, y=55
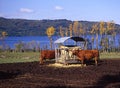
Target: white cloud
x=58, y=8
x=26, y=10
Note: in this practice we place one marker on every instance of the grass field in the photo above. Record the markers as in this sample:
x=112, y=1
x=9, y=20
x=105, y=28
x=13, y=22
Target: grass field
x=10, y=57
x=6, y=57
x=110, y=55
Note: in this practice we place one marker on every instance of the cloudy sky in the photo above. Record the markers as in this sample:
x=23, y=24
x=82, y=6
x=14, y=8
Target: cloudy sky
x=89, y=10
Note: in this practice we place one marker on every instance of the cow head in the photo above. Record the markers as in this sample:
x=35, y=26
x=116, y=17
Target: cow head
x=75, y=52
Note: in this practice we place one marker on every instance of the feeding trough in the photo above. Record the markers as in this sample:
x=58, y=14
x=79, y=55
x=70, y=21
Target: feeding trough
x=64, y=47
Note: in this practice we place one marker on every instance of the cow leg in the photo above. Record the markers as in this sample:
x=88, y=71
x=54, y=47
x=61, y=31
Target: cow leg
x=82, y=63
x=96, y=61
x=41, y=60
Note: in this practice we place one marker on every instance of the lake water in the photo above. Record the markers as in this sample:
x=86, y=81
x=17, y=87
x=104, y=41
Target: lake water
x=41, y=41
x=11, y=41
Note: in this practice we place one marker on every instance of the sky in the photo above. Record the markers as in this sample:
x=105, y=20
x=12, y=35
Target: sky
x=75, y=10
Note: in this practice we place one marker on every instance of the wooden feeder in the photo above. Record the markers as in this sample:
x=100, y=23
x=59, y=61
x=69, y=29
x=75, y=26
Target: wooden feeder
x=64, y=47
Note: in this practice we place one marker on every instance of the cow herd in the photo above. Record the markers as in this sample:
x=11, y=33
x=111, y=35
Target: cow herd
x=81, y=54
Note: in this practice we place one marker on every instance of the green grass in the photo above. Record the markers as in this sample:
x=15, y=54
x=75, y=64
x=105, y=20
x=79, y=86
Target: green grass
x=16, y=57
x=6, y=57
x=110, y=55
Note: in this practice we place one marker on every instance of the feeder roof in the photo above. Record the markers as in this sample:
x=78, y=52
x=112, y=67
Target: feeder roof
x=63, y=39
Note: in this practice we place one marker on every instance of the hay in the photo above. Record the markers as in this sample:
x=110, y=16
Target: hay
x=66, y=66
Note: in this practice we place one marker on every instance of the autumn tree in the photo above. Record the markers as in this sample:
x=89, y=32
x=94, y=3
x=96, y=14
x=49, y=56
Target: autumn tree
x=19, y=46
x=81, y=30
x=61, y=31
x=111, y=31
x=4, y=34
x=92, y=39
x=75, y=28
x=50, y=31
x=66, y=31
x=70, y=29
x=2, y=38
x=102, y=28
x=110, y=27
x=95, y=30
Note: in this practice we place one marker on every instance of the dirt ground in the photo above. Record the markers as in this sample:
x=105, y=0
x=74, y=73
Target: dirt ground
x=33, y=75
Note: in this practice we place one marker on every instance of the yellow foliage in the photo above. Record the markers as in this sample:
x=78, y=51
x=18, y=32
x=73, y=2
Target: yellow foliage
x=61, y=32
x=75, y=27
x=110, y=25
x=4, y=34
x=81, y=30
x=70, y=29
x=50, y=31
x=66, y=33
x=102, y=28
x=94, y=28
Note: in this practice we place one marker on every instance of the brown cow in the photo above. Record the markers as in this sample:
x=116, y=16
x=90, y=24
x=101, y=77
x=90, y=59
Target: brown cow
x=87, y=55
x=46, y=54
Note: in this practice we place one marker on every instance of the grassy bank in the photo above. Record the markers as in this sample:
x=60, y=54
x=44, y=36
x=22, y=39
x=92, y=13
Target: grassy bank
x=110, y=55
x=10, y=57
x=6, y=57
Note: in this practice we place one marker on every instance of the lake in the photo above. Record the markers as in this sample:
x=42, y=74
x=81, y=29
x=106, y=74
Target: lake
x=11, y=41
x=42, y=41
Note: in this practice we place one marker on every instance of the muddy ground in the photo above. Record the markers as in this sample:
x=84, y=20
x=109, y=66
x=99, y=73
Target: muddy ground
x=33, y=75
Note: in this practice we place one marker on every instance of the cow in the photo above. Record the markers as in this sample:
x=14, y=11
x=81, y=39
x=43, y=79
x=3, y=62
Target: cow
x=86, y=55
x=46, y=54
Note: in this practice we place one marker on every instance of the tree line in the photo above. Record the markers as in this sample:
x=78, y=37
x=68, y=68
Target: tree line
x=102, y=29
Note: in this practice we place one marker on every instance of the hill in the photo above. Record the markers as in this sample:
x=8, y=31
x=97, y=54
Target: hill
x=23, y=27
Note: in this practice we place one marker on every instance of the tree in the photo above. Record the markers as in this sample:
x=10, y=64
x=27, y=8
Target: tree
x=110, y=27
x=92, y=39
x=50, y=31
x=95, y=30
x=4, y=34
x=102, y=28
x=2, y=38
x=61, y=32
x=19, y=46
x=66, y=32
x=75, y=28
x=70, y=29
x=81, y=30
x=111, y=31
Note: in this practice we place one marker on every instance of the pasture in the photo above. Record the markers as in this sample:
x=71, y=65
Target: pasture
x=10, y=57
x=22, y=70
x=16, y=57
